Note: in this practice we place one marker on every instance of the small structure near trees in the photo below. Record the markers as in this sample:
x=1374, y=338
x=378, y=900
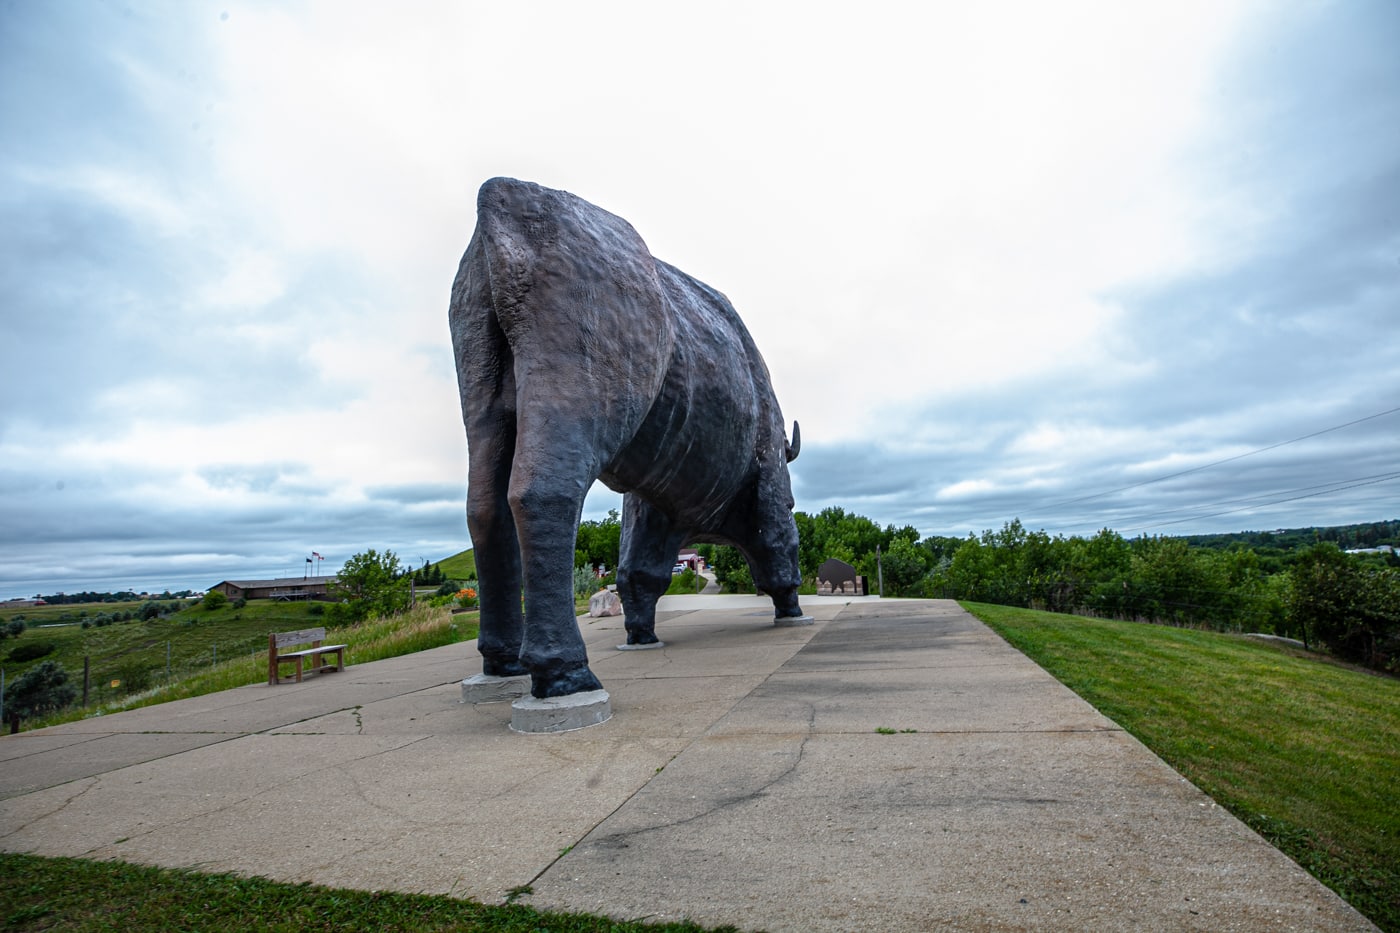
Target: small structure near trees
x=836, y=578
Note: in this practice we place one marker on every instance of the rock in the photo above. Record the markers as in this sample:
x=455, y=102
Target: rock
x=604, y=603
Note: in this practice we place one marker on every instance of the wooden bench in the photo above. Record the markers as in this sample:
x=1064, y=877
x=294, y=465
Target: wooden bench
x=276, y=657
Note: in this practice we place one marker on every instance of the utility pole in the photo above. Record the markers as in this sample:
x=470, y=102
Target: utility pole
x=880, y=571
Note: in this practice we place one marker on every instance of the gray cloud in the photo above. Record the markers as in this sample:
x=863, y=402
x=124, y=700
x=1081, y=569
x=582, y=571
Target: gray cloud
x=222, y=343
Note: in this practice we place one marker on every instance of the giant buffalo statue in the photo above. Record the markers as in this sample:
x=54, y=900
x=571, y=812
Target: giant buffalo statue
x=580, y=356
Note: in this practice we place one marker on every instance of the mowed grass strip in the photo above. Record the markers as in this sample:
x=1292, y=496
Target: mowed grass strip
x=76, y=895
x=1304, y=751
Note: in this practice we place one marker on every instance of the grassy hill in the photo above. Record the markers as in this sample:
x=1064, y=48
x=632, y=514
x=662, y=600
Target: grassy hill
x=197, y=650
x=459, y=566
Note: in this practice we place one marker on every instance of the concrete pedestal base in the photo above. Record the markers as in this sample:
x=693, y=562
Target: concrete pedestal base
x=485, y=688
x=790, y=621
x=560, y=714
x=655, y=644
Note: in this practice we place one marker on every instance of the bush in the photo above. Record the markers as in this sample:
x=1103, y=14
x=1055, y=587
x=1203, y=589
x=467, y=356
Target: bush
x=341, y=615
x=585, y=582
x=31, y=650
x=684, y=583
x=214, y=599
x=133, y=677
x=39, y=690
x=315, y=609
x=240, y=602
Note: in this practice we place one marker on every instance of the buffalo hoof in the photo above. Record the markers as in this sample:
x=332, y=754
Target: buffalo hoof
x=642, y=647
x=503, y=667
x=561, y=683
x=642, y=639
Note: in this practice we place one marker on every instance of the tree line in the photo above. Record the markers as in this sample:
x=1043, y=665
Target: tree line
x=1289, y=585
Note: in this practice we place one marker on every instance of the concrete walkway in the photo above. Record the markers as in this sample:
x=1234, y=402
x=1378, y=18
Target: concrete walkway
x=741, y=781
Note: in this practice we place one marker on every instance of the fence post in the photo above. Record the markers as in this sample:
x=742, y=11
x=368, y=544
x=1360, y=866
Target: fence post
x=167, y=662
x=87, y=679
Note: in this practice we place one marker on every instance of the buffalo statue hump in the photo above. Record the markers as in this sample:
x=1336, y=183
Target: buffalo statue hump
x=580, y=356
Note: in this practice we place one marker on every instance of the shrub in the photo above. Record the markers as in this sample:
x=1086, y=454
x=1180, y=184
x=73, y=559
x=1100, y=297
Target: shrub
x=39, y=690
x=214, y=599
x=31, y=650
x=134, y=678
x=240, y=602
x=585, y=582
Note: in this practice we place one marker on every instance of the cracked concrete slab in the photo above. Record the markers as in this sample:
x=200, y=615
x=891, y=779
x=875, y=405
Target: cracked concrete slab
x=740, y=780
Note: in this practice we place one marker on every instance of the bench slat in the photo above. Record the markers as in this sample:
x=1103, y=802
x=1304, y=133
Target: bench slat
x=324, y=649
x=301, y=637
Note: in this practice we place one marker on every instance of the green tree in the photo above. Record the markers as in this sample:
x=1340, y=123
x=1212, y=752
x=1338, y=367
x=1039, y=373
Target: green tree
x=1352, y=609
x=599, y=544
x=369, y=585
x=214, y=599
x=731, y=569
x=905, y=565
x=41, y=689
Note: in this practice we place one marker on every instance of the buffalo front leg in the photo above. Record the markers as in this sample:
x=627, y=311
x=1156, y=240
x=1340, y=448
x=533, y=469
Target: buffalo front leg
x=772, y=557
x=649, y=547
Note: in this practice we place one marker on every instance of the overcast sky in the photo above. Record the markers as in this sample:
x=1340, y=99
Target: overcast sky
x=1003, y=259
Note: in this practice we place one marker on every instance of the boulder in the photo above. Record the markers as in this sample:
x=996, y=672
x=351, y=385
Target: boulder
x=604, y=603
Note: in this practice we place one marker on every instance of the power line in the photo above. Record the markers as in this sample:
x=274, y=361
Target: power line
x=1328, y=487
x=1207, y=466
x=1369, y=481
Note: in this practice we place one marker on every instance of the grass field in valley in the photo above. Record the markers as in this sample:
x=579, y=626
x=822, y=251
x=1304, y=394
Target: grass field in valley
x=1304, y=751
x=197, y=650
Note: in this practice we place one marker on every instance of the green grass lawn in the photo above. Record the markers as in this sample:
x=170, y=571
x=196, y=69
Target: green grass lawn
x=112, y=897
x=1305, y=751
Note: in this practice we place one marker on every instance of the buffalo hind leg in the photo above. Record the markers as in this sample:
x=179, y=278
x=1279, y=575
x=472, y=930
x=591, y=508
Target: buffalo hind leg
x=546, y=501
x=485, y=375
x=649, y=548
x=497, y=553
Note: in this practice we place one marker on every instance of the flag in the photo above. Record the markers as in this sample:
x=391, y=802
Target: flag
x=308, y=560
x=317, y=556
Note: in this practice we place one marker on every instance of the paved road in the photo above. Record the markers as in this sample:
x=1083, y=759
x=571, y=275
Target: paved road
x=741, y=780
